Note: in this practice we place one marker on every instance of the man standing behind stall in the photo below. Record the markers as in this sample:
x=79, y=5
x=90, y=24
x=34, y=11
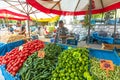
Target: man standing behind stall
x=61, y=33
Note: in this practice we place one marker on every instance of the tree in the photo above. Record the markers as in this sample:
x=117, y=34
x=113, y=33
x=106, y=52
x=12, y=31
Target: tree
x=109, y=15
x=96, y=16
x=87, y=23
x=1, y=21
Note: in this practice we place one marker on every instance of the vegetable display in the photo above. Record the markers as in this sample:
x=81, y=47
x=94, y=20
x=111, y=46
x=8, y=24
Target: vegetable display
x=38, y=68
x=101, y=74
x=11, y=38
x=15, y=58
x=52, y=50
x=72, y=65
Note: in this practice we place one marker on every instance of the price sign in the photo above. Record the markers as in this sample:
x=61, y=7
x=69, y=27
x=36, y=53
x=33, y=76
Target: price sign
x=20, y=48
x=107, y=65
x=41, y=54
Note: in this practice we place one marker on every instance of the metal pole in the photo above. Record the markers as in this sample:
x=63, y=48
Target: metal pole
x=28, y=25
x=90, y=13
x=102, y=19
x=115, y=23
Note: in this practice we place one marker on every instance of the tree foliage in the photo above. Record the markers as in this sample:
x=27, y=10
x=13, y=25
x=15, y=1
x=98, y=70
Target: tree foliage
x=94, y=16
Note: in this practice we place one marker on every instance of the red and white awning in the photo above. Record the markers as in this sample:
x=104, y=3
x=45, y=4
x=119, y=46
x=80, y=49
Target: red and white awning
x=74, y=7
x=12, y=15
x=22, y=7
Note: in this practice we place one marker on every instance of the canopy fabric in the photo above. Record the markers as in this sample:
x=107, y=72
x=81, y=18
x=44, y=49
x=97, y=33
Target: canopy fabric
x=74, y=7
x=53, y=19
x=22, y=7
x=12, y=15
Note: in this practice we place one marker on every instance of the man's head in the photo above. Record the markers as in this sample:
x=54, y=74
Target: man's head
x=18, y=24
x=61, y=24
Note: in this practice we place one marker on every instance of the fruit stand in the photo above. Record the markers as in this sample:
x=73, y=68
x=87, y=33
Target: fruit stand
x=37, y=60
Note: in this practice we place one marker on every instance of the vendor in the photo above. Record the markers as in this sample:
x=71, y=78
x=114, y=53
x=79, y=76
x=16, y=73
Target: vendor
x=61, y=33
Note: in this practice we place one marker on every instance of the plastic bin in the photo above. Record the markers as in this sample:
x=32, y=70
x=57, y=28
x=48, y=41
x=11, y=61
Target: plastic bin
x=72, y=42
x=34, y=37
x=52, y=40
x=105, y=54
x=116, y=41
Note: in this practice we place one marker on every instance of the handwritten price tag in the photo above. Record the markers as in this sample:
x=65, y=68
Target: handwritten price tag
x=41, y=54
x=107, y=65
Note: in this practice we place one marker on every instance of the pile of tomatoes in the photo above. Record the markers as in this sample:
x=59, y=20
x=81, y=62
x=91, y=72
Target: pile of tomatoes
x=15, y=58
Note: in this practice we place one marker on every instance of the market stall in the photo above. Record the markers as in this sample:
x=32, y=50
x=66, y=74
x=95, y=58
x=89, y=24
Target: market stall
x=77, y=7
x=38, y=60
x=24, y=8
x=41, y=60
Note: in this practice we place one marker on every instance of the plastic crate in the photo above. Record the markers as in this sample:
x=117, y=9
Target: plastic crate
x=52, y=40
x=72, y=42
x=105, y=54
x=34, y=37
x=116, y=41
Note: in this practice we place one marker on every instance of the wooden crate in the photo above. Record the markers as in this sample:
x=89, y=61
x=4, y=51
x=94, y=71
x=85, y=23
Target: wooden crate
x=110, y=46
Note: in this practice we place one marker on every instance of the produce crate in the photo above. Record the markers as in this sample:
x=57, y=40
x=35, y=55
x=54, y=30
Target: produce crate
x=116, y=41
x=110, y=46
x=34, y=37
x=105, y=54
x=72, y=42
x=52, y=40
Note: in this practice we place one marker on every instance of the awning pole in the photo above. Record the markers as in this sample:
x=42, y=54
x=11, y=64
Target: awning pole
x=115, y=23
x=28, y=25
x=90, y=13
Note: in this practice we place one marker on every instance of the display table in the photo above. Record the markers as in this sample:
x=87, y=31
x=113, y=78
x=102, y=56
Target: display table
x=12, y=38
x=105, y=54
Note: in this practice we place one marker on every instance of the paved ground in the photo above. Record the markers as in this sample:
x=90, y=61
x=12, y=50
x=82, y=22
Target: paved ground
x=83, y=44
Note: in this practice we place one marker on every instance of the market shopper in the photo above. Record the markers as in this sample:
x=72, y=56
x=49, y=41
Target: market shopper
x=61, y=33
x=10, y=28
x=19, y=29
